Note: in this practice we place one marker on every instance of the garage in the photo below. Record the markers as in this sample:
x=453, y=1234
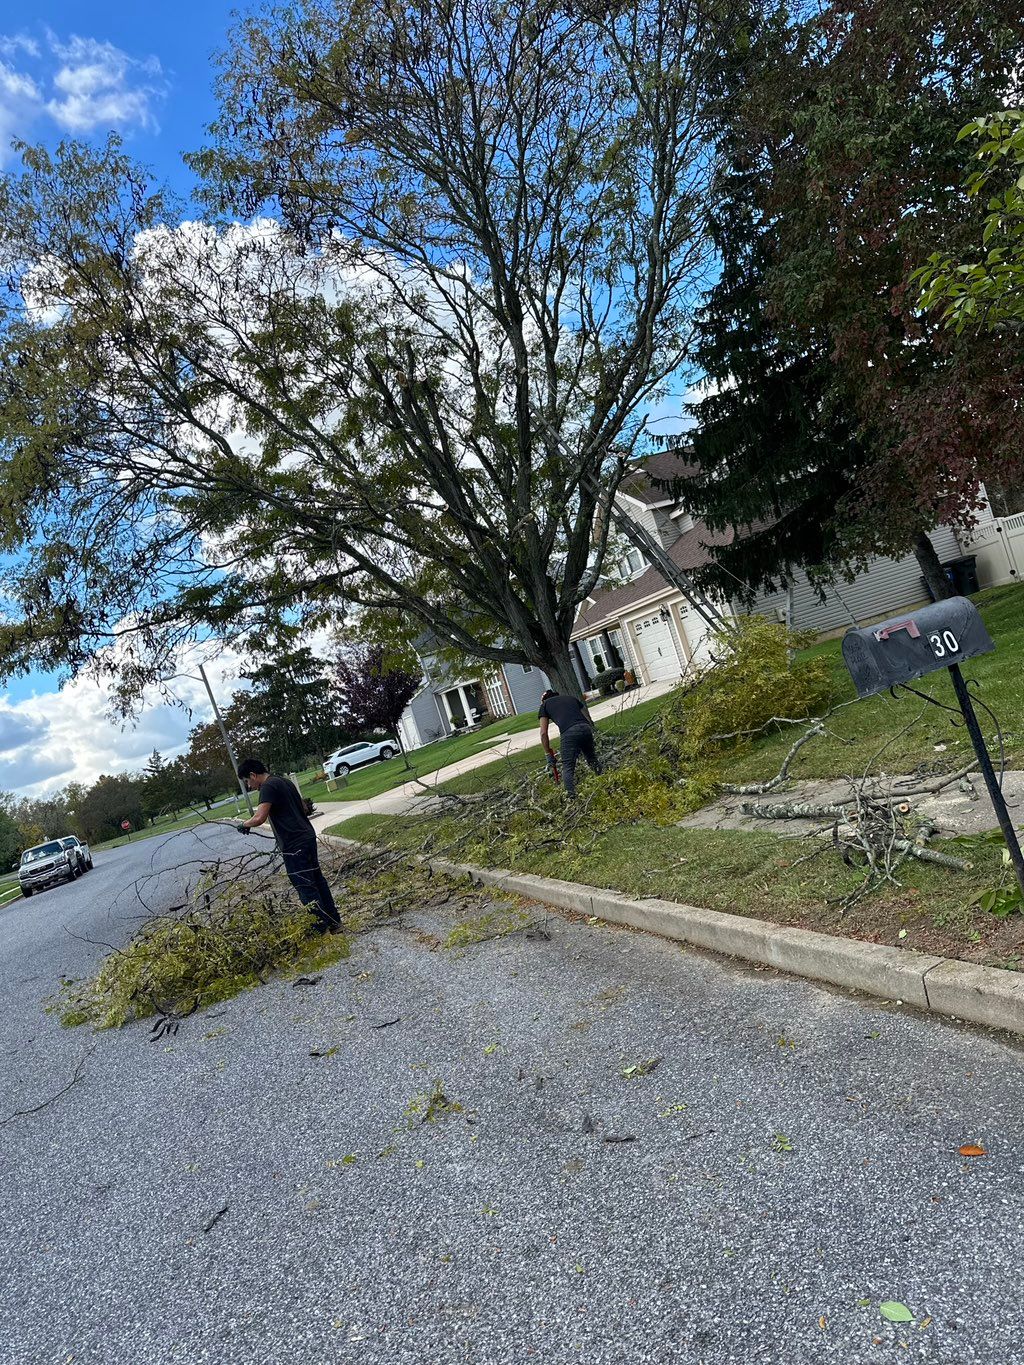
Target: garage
x=653, y=639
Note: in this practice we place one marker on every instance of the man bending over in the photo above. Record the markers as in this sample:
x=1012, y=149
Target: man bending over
x=576, y=731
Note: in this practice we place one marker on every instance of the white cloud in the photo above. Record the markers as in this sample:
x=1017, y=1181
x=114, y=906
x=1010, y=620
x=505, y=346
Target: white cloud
x=18, y=44
x=53, y=738
x=99, y=86
x=20, y=100
x=82, y=85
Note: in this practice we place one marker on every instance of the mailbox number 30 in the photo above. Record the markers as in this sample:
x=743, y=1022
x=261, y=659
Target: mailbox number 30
x=944, y=644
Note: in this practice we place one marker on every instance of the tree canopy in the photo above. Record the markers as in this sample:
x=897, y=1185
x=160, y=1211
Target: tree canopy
x=292, y=712
x=986, y=292
x=410, y=389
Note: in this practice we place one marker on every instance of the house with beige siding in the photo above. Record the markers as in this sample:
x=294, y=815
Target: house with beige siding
x=657, y=634
x=635, y=619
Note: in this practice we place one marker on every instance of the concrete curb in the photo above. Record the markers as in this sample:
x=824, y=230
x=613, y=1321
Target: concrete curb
x=982, y=995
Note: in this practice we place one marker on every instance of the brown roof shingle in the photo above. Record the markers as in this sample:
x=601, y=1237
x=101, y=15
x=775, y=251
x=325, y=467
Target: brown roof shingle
x=646, y=482
x=689, y=552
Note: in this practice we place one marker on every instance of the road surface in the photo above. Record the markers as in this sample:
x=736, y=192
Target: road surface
x=225, y=1196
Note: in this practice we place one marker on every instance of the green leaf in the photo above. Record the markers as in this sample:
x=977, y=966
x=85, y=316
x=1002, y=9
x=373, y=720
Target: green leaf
x=895, y=1312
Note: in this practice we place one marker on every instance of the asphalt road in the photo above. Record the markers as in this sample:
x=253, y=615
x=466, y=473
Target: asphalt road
x=225, y=1196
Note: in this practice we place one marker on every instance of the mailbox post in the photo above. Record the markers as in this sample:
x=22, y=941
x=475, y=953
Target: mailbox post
x=899, y=651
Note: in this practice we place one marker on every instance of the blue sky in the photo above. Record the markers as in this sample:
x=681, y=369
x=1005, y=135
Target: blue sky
x=80, y=70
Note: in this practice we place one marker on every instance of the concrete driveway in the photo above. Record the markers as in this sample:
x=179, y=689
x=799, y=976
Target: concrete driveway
x=227, y=1196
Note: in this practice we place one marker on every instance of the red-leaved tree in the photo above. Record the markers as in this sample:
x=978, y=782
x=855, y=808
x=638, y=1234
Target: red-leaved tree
x=374, y=692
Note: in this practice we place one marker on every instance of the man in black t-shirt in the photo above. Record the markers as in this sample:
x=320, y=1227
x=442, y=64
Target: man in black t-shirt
x=281, y=804
x=576, y=731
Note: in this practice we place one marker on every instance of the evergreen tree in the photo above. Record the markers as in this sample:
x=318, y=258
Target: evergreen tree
x=774, y=453
x=292, y=711
x=845, y=418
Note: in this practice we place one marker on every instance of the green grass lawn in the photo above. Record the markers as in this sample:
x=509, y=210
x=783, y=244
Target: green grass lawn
x=866, y=737
x=763, y=876
x=863, y=737
x=382, y=777
x=768, y=875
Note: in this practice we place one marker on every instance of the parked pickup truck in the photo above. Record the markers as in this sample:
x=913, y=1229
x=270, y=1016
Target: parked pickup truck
x=58, y=860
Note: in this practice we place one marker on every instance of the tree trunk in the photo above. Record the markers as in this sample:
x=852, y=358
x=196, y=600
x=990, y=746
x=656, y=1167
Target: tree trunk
x=559, y=669
x=924, y=551
x=401, y=750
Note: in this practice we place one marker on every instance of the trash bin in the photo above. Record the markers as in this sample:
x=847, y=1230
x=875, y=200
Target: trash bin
x=965, y=574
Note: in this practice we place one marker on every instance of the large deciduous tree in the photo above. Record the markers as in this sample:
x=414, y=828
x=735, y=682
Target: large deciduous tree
x=109, y=801
x=843, y=416
x=412, y=390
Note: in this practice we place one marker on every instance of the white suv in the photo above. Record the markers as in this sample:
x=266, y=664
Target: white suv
x=342, y=761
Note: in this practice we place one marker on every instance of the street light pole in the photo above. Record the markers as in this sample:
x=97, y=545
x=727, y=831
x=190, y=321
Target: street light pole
x=226, y=737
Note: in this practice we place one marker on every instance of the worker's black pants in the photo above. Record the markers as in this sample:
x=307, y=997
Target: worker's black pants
x=303, y=868
x=576, y=741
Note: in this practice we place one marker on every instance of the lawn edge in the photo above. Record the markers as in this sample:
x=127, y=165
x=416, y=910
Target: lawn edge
x=990, y=996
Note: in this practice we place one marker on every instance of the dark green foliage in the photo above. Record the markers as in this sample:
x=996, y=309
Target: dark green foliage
x=292, y=709
x=845, y=423
x=605, y=681
x=107, y=802
x=11, y=842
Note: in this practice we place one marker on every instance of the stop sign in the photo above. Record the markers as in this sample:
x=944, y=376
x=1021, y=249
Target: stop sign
x=126, y=824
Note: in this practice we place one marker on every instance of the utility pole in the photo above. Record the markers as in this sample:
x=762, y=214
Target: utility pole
x=227, y=739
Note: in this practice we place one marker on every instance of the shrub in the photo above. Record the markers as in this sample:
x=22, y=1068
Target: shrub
x=605, y=682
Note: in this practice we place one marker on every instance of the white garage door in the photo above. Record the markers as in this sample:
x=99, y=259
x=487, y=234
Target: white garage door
x=653, y=637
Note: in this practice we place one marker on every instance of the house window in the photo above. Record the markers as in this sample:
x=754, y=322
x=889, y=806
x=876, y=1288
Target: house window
x=497, y=701
x=632, y=563
x=596, y=651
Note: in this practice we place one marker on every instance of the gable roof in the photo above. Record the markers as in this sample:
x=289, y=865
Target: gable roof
x=645, y=482
x=689, y=552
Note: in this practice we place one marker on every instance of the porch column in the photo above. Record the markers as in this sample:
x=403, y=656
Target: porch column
x=466, y=705
x=584, y=671
x=610, y=652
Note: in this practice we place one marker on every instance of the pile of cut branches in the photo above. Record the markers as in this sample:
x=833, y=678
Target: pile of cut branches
x=657, y=772
x=238, y=923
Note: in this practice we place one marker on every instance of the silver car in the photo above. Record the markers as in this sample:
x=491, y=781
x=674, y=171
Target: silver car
x=46, y=864
x=342, y=761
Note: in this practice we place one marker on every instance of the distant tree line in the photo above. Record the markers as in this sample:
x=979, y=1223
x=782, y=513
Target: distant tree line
x=296, y=711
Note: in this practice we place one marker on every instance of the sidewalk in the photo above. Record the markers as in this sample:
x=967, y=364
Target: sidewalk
x=409, y=794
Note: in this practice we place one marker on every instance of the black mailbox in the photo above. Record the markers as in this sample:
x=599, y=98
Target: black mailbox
x=907, y=647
